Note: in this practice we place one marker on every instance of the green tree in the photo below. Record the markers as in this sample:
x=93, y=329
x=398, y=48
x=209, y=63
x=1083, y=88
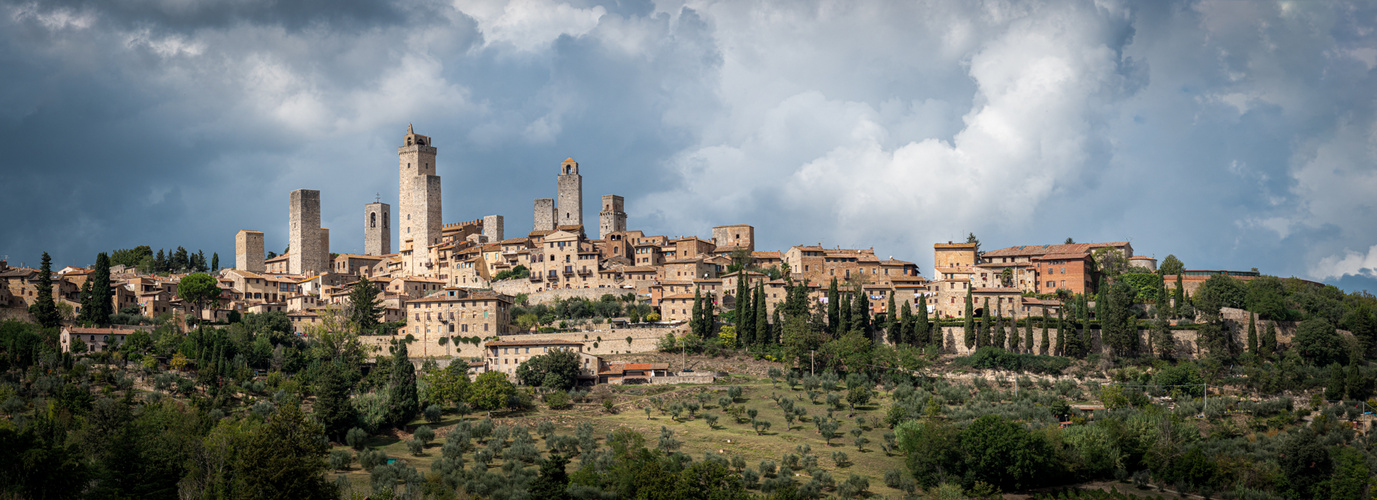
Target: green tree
x=860, y=311
x=696, y=318
x=102, y=296
x=1252, y=335
x=403, y=403
x=998, y=335
x=1046, y=342
x=968, y=325
x=762, y=318
x=1266, y=295
x=44, y=309
x=1218, y=292
x=558, y=370
x=907, y=327
x=332, y=408
x=745, y=330
x=1319, y=342
x=285, y=458
x=448, y=386
x=552, y=480
x=1005, y=454
x=491, y=391
x=892, y=331
x=982, y=329
x=198, y=289
x=1028, y=334
x=1171, y=265
x=214, y=261
x=365, y=309
x=1268, y=342
x=1178, y=299
x=833, y=308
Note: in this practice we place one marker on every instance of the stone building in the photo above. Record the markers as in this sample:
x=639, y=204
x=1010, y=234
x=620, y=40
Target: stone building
x=505, y=356
x=612, y=218
x=377, y=229
x=248, y=251
x=733, y=237
x=420, y=221
x=455, y=312
x=570, y=194
x=304, y=235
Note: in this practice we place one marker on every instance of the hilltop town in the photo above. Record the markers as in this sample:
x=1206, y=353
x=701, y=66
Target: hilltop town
x=1050, y=370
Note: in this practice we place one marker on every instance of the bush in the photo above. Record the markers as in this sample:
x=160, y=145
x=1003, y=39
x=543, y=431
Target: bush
x=432, y=413
x=416, y=446
x=424, y=434
x=994, y=358
x=558, y=400
x=340, y=459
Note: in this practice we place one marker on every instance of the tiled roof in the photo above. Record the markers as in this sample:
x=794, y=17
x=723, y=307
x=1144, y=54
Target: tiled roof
x=1030, y=250
x=509, y=343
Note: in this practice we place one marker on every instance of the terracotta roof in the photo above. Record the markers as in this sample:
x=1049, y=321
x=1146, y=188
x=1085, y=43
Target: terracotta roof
x=767, y=255
x=1062, y=256
x=678, y=296
x=954, y=245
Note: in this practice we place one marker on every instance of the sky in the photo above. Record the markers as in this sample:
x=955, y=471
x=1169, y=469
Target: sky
x=1232, y=134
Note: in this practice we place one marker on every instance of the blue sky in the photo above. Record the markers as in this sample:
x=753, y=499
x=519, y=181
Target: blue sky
x=1232, y=134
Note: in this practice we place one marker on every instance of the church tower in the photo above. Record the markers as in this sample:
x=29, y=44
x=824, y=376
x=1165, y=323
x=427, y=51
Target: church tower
x=570, y=194
x=419, y=223
x=377, y=228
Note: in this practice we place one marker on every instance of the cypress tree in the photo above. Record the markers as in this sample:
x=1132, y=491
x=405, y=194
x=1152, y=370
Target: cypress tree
x=777, y=328
x=84, y=317
x=214, y=261
x=1269, y=339
x=1252, y=334
x=843, y=313
x=1046, y=343
x=926, y=331
x=102, y=297
x=1178, y=298
x=762, y=318
x=860, y=311
x=403, y=403
x=332, y=408
x=1027, y=334
x=907, y=335
x=44, y=310
x=982, y=333
x=968, y=334
x=999, y=337
x=745, y=331
x=696, y=317
x=892, y=329
x=833, y=308
x=1061, y=331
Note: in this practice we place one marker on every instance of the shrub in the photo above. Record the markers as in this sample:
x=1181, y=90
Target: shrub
x=558, y=400
x=994, y=358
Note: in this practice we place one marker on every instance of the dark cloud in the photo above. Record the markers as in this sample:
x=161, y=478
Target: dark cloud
x=1234, y=135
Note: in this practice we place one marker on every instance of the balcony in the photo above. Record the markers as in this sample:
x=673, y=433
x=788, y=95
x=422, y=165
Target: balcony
x=535, y=277
x=585, y=272
x=568, y=272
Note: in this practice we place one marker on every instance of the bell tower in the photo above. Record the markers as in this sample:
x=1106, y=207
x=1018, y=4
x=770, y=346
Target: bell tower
x=570, y=210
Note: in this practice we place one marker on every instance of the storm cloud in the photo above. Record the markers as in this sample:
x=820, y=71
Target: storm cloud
x=1232, y=134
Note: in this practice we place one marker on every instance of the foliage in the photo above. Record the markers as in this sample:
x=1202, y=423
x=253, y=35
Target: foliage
x=1319, y=342
x=993, y=358
x=403, y=401
x=491, y=391
x=365, y=309
x=198, y=289
x=558, y=370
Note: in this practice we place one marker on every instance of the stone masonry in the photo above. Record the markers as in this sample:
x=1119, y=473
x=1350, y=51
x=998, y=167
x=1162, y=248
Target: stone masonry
x=420, y=218
x=734, y=236
x=570, y=194
x=492, y=228
x=544, y=214
x=377, y=232
x=612, y=218
x=303, y=233
x=248, y=251
x=325, y=248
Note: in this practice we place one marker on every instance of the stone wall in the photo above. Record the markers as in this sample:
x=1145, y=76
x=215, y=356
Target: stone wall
x=608, y=340
x=492, y=228
x=248, y=251
x=612, y=218
x=571, y=197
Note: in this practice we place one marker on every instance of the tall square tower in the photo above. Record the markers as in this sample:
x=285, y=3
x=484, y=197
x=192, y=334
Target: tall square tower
x=570, y=194
x=377, y=232
x=492, y=228
x=303, y=233
x=612, y=218
x=248, y=251
x=544, y=214
x=420, y=218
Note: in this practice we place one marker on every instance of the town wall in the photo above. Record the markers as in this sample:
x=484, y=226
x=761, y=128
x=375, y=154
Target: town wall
x=248, y=251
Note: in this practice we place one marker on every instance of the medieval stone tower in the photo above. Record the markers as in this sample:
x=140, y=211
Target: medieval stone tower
x=544, y=214
x=248, y=251
x=377, y=229
x=612, y=218
x=420, y=223
x=570, y=194
x=492, y=228
x=304, y=237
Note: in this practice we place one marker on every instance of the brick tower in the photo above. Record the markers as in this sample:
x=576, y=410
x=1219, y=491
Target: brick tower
x=420, y=224
x=377, y=229
x=570, y=194
x=612, y=218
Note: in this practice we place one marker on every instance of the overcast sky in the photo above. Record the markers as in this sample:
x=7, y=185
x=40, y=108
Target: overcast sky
x=1231, y=134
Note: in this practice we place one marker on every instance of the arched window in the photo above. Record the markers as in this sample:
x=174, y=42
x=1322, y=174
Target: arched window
x=373, y=219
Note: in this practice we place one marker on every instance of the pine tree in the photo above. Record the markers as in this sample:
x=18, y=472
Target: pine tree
x=762, y=318
x=892, y=322
x=834, y=308
x=1046, y=343
x=332, y=407
x=968, y=333
x=44, y=310
x=365, y=310
x=402, y=403
x=1252, y=334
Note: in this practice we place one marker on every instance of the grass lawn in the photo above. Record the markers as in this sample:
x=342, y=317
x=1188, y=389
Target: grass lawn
x=728, y=439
